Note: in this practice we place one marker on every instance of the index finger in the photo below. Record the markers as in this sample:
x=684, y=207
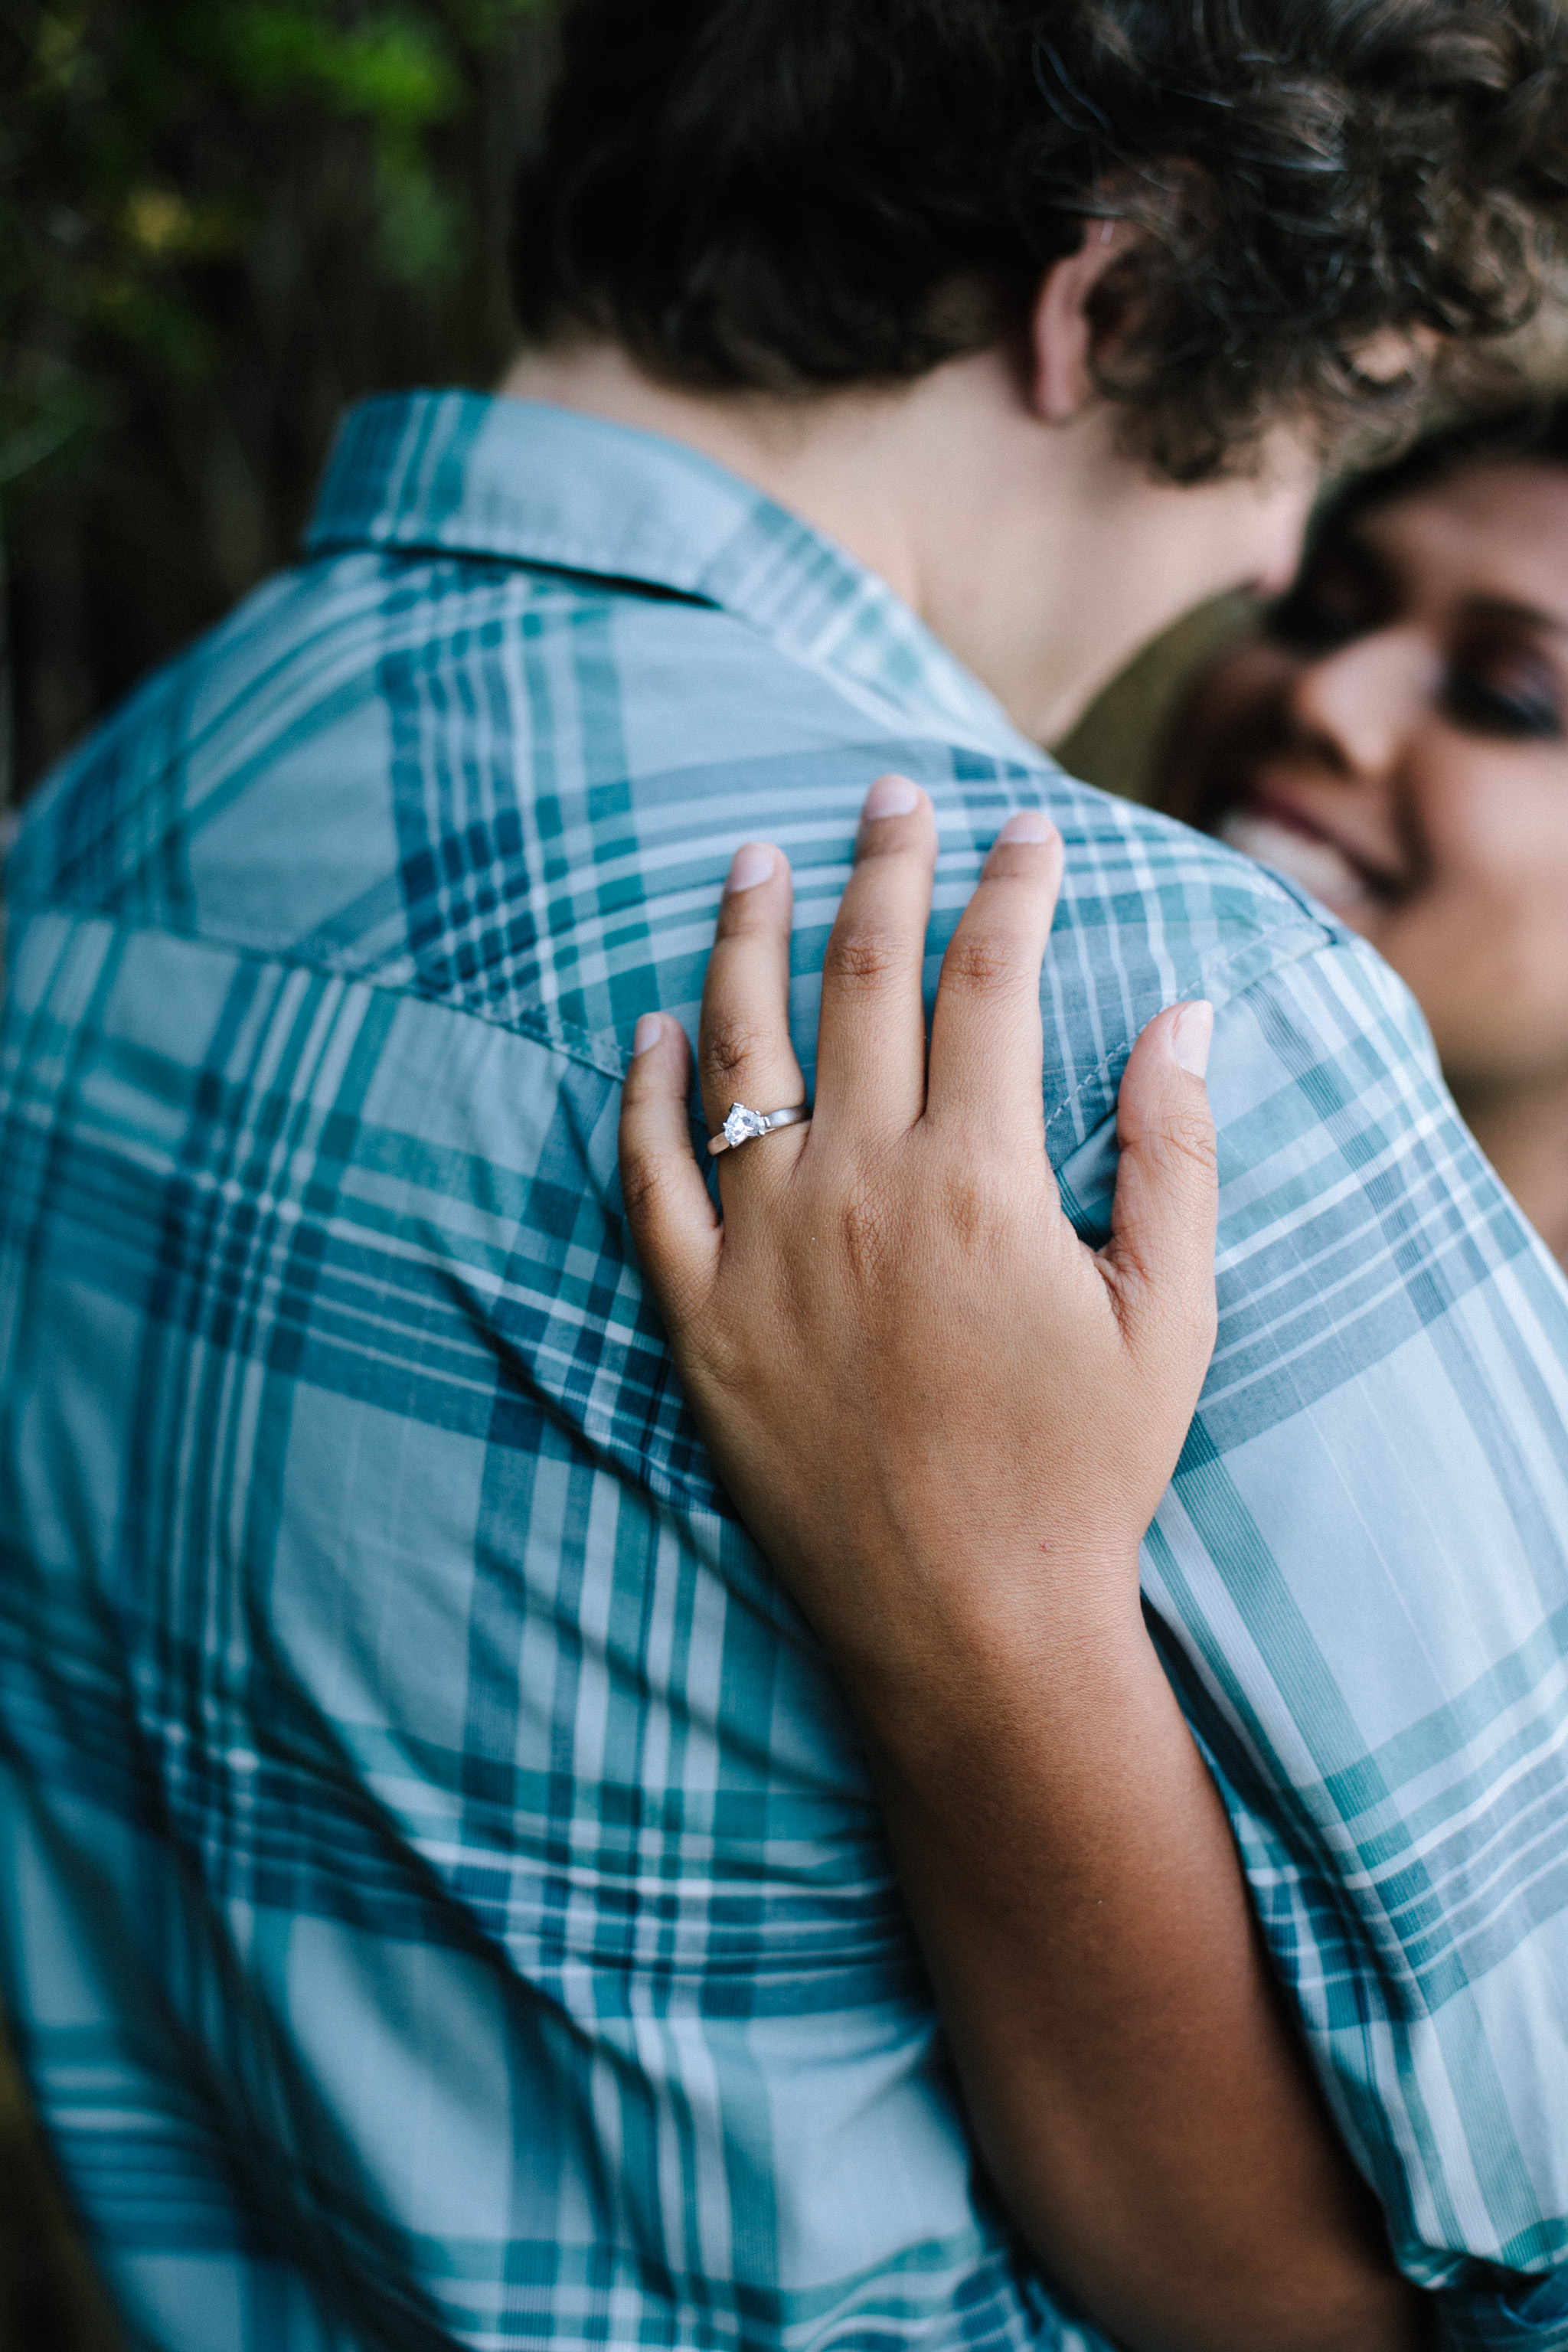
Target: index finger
x=985, y=1042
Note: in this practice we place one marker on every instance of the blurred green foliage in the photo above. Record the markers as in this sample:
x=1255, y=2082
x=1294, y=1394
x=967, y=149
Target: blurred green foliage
x=219, y=221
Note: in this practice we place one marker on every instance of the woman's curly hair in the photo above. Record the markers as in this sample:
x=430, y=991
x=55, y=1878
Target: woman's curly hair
x=794, y=195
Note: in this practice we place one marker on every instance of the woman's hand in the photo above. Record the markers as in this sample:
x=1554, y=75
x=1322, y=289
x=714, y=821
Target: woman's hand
x=948, y=1424
x=942, y=1416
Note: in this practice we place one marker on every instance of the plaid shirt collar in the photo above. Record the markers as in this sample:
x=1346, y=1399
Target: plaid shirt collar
x=513, y=481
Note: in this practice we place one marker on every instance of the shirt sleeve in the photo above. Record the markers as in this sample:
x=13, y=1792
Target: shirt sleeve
x=1359, y=1581
x=1505, y=2311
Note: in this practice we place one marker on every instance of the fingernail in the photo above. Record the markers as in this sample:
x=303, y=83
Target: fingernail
x=1190, y=1035
x=1027, y=825
x=649, y=1030
x=752, y=863
x=891, y=796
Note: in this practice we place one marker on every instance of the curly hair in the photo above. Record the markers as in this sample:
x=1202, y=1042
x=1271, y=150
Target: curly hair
x=797, y=196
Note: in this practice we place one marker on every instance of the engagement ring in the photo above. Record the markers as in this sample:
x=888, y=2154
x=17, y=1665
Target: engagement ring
x=743, y=1126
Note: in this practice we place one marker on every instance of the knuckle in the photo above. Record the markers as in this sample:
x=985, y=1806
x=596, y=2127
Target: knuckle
x=1186, y=1143
x=985, y=964
x=863, y=1226
x=733, y=1042
x=976, y=1200
x=864, y=956
x=856, y=1211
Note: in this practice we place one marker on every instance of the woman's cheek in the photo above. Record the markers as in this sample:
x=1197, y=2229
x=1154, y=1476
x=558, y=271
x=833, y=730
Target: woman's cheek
x=1488, y=963
x=1482, y=939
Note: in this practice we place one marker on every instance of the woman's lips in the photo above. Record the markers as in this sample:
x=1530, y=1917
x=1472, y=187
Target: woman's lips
x=1281, y=837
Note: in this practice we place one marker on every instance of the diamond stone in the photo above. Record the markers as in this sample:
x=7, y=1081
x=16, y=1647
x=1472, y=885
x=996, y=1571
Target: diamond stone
x=743, y=1126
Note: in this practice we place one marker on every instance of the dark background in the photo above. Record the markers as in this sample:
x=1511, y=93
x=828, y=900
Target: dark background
x=220, y=222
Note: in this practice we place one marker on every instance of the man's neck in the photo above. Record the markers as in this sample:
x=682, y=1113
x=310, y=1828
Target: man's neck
x=938, y=486
x=1523, y=1130
x=1015, y=523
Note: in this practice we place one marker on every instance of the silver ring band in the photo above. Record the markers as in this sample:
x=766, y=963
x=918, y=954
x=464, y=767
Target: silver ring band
x=743, y=1126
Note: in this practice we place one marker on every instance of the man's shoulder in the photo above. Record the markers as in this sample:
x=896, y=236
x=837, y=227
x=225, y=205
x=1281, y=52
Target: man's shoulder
x=262, y=783
x=1152, y=913
x=1129, y=868
x=516, y=790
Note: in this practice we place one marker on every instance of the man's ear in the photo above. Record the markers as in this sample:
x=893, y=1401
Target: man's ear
x=1062, y=330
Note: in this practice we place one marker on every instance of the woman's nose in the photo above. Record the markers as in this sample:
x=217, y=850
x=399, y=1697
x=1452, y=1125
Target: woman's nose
x=1359, y=702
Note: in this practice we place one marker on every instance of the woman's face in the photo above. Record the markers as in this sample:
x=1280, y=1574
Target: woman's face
x=1398, y=743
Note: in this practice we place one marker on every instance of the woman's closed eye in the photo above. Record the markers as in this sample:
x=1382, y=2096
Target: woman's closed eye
x=1497, y=682
x=1508, y=693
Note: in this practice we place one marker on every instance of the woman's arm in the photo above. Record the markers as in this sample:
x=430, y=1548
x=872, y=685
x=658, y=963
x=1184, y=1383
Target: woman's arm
x=948, y=1424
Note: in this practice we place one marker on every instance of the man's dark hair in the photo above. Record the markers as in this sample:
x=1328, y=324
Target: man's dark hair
x=795, y=195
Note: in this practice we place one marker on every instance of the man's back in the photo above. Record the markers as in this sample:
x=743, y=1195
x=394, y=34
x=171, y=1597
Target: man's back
x=449, y=1903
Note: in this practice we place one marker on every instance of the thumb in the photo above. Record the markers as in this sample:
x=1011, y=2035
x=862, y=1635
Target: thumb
x=1162, y=1219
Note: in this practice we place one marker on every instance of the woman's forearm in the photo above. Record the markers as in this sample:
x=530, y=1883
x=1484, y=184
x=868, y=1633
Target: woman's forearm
x=948, y=1424
x=1137, y=2092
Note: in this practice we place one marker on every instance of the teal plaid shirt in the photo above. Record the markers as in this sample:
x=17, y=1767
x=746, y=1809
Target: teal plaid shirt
x=443, y=1901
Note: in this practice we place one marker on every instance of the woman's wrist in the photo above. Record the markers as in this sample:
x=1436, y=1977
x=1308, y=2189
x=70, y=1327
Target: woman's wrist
x=988, y=1657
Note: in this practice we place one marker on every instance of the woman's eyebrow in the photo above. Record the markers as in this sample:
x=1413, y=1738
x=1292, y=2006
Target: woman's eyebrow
x=1511, y=608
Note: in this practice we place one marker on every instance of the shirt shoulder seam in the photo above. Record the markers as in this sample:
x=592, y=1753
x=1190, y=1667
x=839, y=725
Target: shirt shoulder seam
x=1325, y=941
x=591, y=1048
x=542, y=1028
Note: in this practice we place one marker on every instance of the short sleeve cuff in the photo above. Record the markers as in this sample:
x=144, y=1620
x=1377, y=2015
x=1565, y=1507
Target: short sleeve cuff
x=1512, y=2311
